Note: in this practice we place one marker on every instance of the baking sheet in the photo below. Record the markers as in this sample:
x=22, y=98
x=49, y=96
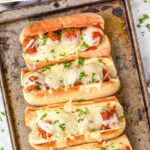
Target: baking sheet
x=118, y=27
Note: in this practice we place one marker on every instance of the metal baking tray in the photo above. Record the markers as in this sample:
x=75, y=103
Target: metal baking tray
x=125, y=52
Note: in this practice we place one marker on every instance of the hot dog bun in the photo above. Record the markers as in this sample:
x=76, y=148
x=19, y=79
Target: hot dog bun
x=35, y=61
x=85, y=91
x=114, y=129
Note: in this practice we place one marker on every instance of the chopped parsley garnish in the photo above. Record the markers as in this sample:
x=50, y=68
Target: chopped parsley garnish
x=80, y=100
x=0, y=119
x=144, y=18
x=92, y=130
x=3, y=113
x=62, y=126
x=31, y=26
x=148, y=27
x=16, y=57
x=139, y=26
x=46, y=60
x=64, y=54
x=145, y=1
x=52, y=51
x=2, y=130
x=37, y=60
x=82, y=74
x=67, y=64
x=124, y=54
x=93, y=74
x=100, y=60
x=48, y=67
x=137, y=122
x=61, y=81
x=103, y=148
x=44, y=39
x=57, y=112
x=81, y=61
x=133, y=133
x=43, y=116
x=81, y=36
x=56, y=121
x=84, y=45
x=122, y=26
x=139, y=140
x=79, y=120
x=112, y=145
x=36, y=86
x=142, y=33
x=81, y=112
x=2, y=148
x=63, y=31
x=54, y=56
x=91, y=121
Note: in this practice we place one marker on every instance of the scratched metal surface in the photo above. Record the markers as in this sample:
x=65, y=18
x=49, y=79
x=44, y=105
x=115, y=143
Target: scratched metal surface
x=130, y=93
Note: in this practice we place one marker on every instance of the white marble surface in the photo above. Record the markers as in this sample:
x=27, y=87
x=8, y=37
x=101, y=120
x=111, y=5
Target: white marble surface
x=139, y=7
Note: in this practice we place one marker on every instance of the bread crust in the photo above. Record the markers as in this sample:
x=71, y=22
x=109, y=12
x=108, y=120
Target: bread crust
x=77, y=20
x=87, y=91
x=42, y=144
x=103, y=50
x=123, y=139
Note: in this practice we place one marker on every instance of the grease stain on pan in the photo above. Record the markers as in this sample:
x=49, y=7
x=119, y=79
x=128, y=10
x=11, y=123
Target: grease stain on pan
x=106, y=7
x=56, y=4
x=117, y=12
x=140, y=115
x=91, y=9
x=4, y=43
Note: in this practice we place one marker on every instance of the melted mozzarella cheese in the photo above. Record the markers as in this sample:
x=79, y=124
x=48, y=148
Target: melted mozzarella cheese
x=75, y=122
x=59, y=76
x=57, y=49
x=88, y=36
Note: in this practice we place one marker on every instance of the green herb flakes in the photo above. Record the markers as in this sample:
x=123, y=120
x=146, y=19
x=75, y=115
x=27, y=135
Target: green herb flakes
x=81, y=61
x=79, y=120
x=36, y=86
x=92, y=130
x=64, y=54
x=93, y=79
x=84, y=45
x=122, y=26
x=81, y=112
x=31, y=26
x=56, y=121
x=3, y=113
x=67, y=64
x=62, y=126
x=57, y=112
x=148, y=27
x=52, y=51
x=44, y=39
x=100, y=60
x=80, y=100
x=43, y=116
x=81, y=76
x=137, y=122
x=139, y=26
x=63, y=31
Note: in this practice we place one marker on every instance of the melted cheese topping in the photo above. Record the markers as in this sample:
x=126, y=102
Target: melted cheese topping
x=58, y=76
x=47, y=49
x=68, y=123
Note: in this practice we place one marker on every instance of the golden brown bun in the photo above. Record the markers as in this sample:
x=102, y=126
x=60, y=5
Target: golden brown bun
x=77, y=20
x=37, y=142
x=87, y=91
x=123, y=139
x=103, y=50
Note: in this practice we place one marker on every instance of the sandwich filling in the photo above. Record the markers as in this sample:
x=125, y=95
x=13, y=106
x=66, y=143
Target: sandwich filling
x=60, y=44
x=73, y=73
x=70, y=121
